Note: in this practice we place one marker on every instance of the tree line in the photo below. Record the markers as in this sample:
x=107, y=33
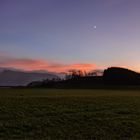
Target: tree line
x=80, y=79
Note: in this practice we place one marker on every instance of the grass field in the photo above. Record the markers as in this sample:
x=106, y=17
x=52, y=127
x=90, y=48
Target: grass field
x=69, y=114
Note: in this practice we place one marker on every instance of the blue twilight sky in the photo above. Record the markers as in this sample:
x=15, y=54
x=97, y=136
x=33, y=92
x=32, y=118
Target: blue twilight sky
x=65, y=33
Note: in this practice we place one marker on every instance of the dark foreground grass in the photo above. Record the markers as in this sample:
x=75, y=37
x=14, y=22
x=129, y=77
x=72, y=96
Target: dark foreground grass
x=69, y=114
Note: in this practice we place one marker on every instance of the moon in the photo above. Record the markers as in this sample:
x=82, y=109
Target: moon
x=95, y=27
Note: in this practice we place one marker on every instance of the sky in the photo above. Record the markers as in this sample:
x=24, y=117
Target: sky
x=59, y=35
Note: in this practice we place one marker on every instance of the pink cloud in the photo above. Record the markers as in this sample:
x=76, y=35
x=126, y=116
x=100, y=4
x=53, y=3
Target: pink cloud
x=31, y=64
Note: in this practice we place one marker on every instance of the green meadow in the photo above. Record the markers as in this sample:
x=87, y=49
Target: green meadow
x=40, y=114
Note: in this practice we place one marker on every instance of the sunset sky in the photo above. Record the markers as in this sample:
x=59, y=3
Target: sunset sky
x=58, y=35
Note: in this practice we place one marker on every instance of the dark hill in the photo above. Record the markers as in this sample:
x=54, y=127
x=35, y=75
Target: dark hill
x=121, y=76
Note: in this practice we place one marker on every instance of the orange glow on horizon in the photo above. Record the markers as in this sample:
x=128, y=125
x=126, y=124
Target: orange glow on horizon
x=52, y=66
x=30, y=65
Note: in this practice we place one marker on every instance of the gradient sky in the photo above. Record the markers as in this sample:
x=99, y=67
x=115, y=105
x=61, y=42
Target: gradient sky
x=58, y=35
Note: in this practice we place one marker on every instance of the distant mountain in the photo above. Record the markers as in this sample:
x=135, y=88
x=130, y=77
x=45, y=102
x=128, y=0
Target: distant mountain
x=11, y=77
x=60, y=75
